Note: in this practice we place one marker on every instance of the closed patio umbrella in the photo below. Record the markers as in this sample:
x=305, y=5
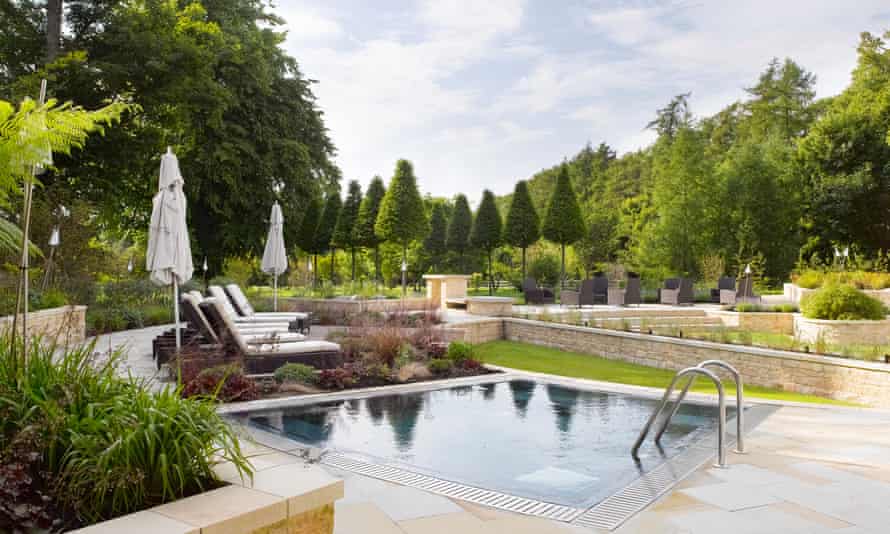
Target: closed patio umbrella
x=274, y=256
x=169, y=256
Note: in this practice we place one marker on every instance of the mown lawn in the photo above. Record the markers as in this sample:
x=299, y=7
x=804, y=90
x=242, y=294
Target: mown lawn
x=539, y=359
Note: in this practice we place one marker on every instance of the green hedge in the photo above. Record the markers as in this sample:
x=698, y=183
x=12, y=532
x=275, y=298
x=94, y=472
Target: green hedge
x=840, y=302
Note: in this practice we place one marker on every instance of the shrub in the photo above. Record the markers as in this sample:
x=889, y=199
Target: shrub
x=225, y=383
x=810, y=279
x=337, y=378
x=440, y=366
x=471, y=365
x=109, y=445
x=842, y=303
x=385, y=344
x=458, y=352
x=413, y=371
x=296, y=372
x=545, y=270
x=786, y=308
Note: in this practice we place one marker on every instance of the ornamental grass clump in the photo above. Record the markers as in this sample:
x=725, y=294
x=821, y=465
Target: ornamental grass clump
x=839, y=302
x=105, y=445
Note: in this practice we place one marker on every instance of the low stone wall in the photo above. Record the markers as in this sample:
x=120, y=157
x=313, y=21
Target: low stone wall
x=775, y=322
x=490, y=306
x=66, y=324
x=794, y=293
x=354, y=306
x=842, y=332
x=481, y=331
x=837, y=378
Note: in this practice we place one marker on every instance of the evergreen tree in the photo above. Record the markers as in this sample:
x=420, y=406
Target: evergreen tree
x=434, y=244
x=671, y=118
x=782, y=100
x=459, y=227
x=523, y=228
x=487, y=231
x=344, y=232
x=563, y=224
x=365, y=233
x=305, y=236
x=326, y=225
x=402, y=218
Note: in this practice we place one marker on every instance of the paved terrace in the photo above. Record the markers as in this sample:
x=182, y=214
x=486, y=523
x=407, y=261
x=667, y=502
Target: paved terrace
x=810, y=470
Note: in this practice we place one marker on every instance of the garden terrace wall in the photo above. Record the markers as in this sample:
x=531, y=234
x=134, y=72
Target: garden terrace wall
x=836, y=378
x=775, y=322
x=794, y=293
x=66, y=324
x=355, y=306
x=842, y=332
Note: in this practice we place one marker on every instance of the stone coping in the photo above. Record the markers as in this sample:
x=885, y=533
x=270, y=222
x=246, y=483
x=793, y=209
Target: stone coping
x=841, y=322
x=446, y=276
x=275, y=495
x=49, y=311
x=486, y=298
x=759, y=351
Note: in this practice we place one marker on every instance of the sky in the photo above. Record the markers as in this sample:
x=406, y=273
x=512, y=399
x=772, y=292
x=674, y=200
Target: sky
x=478, y=94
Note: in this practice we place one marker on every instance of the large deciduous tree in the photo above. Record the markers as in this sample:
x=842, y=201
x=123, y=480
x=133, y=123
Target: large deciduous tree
x=459, y=227
x=344, y=233
x=563, y=224
x=402, y=218
x=365, y=229
x=487, y=231
x=523, y=228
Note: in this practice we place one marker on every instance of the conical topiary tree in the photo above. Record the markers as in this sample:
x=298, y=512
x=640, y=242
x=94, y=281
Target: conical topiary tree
x=487, y=231
x=326, y=224
x=305, y=237
x=523, y=228
x=459, y=227
x=365, y=233
x=434, y=244
x=344, y=232
x=563, y=224
x=402, y=217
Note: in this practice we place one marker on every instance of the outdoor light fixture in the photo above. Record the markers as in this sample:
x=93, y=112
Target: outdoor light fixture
x=54, y=237
x=309, y=264
x=130, y=265
x=748, y=269
x=205, y=264
x=404, y=265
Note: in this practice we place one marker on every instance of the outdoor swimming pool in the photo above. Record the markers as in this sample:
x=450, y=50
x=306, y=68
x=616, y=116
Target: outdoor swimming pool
x=536, y=440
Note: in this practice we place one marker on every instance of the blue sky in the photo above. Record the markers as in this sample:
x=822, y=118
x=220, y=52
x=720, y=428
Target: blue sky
x=479, y=94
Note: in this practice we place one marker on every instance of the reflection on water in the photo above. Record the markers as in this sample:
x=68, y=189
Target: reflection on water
x=568, y=446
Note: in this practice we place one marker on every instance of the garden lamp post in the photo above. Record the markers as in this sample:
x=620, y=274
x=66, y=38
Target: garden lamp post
x=204, y=268
x=404, y=278
x=311, y=274
x=748, y=280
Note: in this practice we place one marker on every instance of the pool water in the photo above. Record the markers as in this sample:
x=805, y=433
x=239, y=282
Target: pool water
x=537, y=440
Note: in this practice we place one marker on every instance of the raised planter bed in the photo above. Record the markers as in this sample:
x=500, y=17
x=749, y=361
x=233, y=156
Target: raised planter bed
x=349, y=306
x=842, y=332
x=490, y=306
x=67, y=324
x=774, y=322
x=794, y=293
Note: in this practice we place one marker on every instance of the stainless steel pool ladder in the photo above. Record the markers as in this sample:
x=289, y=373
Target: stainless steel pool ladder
x=692, y=373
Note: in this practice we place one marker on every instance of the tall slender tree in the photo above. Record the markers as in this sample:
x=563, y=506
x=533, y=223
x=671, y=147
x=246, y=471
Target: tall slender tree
x=487, y=231
x=434, y=244
x=305, y=236
x=563, y=224
x=365, y=232
x=402, y=218
x=326, y=225
x=459, y=227
x=523, y=228
x=344, y=232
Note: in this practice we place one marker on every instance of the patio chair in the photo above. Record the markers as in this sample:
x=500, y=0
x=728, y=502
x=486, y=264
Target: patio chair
x=245, y=309
x=245, y=325
x=296, y=322
x=267, y=357
x=677, y=291
x=727, y=284
x=535, y=294
x=252, y=335
x=600, y=289
x=581, y=297
x=630, y=294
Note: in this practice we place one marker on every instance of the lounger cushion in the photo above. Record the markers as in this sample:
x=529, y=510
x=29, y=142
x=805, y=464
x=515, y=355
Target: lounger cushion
x=219, y=294
x=243, y=305
x=272, y=337
x=301, y=347
x=194, y=315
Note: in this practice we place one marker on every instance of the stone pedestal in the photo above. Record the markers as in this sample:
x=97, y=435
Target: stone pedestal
x=440, y=288
x=490, y=306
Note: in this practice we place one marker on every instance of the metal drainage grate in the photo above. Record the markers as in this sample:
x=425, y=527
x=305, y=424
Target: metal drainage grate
x=503, y=501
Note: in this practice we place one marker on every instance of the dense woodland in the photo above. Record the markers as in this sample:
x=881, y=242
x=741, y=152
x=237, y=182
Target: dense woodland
x=777, y=180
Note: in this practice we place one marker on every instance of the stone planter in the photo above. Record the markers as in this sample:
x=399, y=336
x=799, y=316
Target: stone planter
x=66, y=324
x=490, y=306
x=794, y=293
x=290, y=498
x=347, y=305
x=842, y=332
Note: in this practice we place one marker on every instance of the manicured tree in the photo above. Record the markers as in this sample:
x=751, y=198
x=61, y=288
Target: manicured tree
x=563, y=224
x=326, y=224
x=365, y=234
x=305, y=237
x=344, y=232
x=402, y=218
x=434, y=244
x=458, y=238
x=487, y=231
x=523, y=228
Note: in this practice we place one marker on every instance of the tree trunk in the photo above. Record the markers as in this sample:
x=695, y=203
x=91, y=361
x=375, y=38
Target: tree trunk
x=333, y=256
x=523, y=265
x=490, y=279
x=315, y=270
x=404, y=271
x=353, y=264
x=562, y=278
x=53, y=29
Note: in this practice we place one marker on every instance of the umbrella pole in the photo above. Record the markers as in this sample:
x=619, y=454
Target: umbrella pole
x=275, y=292
x=176, y=313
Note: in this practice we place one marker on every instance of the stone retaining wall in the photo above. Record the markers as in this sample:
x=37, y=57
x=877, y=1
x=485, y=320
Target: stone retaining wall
x=66, y=324
x=775, y=322
x=836, y=378
x=842, y=332
x=794, y=293
x=354, y=306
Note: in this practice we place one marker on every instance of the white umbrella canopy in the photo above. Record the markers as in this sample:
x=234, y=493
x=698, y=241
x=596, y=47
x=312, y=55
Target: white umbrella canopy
x=169, y=256
x=275, y=255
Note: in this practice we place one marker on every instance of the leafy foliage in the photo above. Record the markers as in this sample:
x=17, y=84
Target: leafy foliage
x=344, y=231
x=459, y=227
x=225, y=383
x=522, y=228
x=842, y=303
x=296, y=372
x=367, y=218
x=402, y=218
x=435, y=243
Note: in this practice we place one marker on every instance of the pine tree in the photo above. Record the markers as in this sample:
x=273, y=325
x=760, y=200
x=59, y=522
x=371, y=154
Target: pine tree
x=487, y=231
x=434, y=244
x=365, y=234
x=402, y=217
x=523, y=227
x=344, y=232
x=326, y=224
x=458, y=239
x=563, y=224
x=305, y=237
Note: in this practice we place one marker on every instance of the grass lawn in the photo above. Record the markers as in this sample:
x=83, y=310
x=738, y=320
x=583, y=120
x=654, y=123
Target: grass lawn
x=538, y=359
